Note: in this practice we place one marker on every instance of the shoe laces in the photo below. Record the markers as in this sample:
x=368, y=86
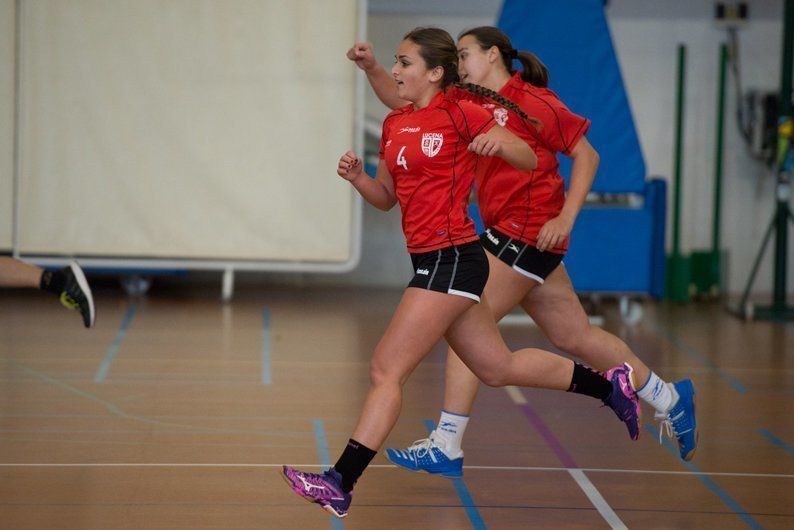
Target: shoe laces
x=671, y=425
x=423, y=447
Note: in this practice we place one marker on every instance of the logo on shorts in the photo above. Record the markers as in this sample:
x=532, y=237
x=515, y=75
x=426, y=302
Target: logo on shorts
x=500, y=115
x=431, y=143
x=423, y=272
x=513, y=247
x=493, y=239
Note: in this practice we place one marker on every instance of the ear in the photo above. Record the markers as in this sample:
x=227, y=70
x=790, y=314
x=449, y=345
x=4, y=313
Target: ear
x=494, y=54
x=436, y=74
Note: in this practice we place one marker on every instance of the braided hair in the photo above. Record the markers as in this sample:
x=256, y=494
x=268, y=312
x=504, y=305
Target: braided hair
x=438, y=49
x=507, y=103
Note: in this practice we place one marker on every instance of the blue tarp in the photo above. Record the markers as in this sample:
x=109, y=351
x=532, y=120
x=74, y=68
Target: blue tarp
x=572, y=39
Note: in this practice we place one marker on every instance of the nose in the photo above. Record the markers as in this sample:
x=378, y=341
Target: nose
x=394, y=71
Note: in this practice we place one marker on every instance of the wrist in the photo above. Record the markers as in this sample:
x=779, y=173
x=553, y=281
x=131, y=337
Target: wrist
x=355, y=178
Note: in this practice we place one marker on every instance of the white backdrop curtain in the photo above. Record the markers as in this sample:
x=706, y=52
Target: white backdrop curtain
x=187, y=128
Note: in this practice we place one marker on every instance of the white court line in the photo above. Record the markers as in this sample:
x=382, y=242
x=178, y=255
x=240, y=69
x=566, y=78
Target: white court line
x=389, y=466
x=589, y=489
x=598, y=501
x=516, y=395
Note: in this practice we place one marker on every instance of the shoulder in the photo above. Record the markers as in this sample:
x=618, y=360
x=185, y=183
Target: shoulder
x=393, y=115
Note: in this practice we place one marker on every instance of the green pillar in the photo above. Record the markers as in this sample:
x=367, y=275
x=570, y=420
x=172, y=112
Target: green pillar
x=678, y=266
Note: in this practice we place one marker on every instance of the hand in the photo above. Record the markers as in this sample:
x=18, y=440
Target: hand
x=361, y=53
x=554, y=232
x=350, y=166
x=485, y=146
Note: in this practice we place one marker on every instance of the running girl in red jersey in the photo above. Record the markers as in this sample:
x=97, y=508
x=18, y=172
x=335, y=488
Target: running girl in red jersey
x=428, y=152
x=528, y=220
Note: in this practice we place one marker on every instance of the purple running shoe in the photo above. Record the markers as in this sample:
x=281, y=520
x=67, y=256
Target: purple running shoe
x=624, y=400
x=324, y=489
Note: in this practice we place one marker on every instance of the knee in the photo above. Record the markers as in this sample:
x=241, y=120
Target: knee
x=380, y=374
x=495, y=376
x=571, y=342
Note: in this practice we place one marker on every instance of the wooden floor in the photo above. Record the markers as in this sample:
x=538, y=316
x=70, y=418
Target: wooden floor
x=176, y=412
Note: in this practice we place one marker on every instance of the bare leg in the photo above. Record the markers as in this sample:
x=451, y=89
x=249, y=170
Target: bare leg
x=477, y=341
x=16, y=273
x=417, y=325
x=557, y=311
x=505, y=290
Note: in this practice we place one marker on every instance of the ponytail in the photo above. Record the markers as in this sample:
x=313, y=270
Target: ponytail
x=533, y=72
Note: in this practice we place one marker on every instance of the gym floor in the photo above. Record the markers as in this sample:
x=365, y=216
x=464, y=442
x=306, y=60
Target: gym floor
x=177, y=411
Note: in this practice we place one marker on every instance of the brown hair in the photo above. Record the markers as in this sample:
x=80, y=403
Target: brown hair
x=438, y=49
x=534, y=71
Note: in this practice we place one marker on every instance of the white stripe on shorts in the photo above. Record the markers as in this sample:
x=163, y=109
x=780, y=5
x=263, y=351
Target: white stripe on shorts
x=430, y=282
x=528, y=274
x=464, y=294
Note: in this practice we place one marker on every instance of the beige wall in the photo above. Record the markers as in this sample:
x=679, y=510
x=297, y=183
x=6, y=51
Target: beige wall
x=6, y=120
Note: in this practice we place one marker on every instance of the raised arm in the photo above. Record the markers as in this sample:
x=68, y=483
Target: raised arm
x=379, y=79
x=585, y=164
x=500, y=142
x=379, y=192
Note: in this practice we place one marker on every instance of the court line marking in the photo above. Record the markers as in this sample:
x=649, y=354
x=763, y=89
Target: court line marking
x=112, y=408
x=584, y=483
x=104, y=367
x=391, y=466
x=777, y=441
x=266, y=374
x=682, y=346
x=325, y=461
x=466, y=499
x=713, y=486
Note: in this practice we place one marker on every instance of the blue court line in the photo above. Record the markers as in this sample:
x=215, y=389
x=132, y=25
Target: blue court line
x=325, y=461
x=266, y=378
x=104, y=368
x=777, y=441
x=710, y=484
x=702, y=359
x=463, y=493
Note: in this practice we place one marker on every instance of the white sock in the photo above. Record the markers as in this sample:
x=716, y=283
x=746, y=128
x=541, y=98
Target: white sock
x=449, y=433
x=658, y=394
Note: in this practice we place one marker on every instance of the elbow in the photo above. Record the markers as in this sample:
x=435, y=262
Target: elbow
x=387, y=205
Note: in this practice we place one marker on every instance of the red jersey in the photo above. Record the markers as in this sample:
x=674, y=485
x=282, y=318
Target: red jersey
x=518, y=202
x=426, y=153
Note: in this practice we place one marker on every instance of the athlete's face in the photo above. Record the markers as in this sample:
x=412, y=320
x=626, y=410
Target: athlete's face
x=410, y=71
x=474, y=63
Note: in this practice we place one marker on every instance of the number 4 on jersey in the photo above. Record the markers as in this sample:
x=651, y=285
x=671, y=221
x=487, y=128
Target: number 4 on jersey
x=401, y=161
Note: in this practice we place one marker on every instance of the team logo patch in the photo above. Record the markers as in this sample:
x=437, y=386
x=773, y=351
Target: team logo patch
x=500, y=115
x=431, y=143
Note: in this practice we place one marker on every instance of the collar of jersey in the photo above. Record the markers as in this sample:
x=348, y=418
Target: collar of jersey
x=436, y=101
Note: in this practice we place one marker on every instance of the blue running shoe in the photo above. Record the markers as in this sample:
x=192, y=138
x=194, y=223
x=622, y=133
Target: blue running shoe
x=426, y=455
x=680, y=421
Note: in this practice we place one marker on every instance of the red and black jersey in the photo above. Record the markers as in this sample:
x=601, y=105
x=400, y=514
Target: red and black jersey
x=518, y=202
x=426, y=154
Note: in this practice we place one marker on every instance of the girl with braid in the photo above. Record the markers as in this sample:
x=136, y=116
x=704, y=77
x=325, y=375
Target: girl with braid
x=429, y=148
x=528, y=219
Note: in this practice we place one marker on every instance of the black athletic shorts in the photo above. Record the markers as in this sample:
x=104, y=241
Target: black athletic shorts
x=522, y=257
x=461, y=270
